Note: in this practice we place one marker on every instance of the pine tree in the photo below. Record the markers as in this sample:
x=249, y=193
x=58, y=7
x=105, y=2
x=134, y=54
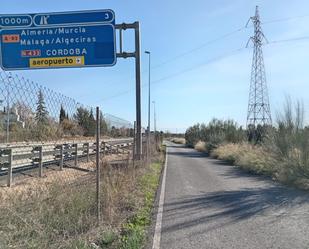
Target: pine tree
x=91, y=124
x=86, y=120
x=41, y=115
x=62, y=115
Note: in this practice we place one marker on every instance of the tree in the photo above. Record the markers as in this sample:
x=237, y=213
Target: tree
x=62, y=115
x=41, y=115
x=25, y=113
x=91, y=126
x=86, y=120
x=192, y=135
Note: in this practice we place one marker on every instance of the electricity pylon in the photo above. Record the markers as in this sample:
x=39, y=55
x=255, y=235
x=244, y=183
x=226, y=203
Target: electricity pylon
x=258, y=107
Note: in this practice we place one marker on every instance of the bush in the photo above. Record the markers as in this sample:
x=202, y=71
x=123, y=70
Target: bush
x=289, y=143
x=192, y=135
x=249, y=157
x=215, y=133
x=71, y=128
x=178, y=140
x=200, y=146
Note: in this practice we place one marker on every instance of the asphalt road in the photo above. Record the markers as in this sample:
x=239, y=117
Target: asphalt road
x=209, y=204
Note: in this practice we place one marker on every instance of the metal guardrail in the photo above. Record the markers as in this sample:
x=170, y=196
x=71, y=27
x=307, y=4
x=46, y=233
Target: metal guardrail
x=39, y=155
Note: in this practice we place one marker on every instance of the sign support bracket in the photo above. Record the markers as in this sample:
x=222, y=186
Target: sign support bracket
x=137, y=55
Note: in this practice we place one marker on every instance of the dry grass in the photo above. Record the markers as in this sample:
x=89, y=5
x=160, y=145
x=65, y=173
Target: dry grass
x=178, y=140
x=249, y=157
x=30, y=183
x=53, y=213
x=258, y=159
x=200, y=146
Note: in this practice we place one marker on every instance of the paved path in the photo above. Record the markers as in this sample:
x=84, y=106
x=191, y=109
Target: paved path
x=209, y=204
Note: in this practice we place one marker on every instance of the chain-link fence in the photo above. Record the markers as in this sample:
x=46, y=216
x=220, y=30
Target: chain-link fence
x=30, y=112
x=47, y=164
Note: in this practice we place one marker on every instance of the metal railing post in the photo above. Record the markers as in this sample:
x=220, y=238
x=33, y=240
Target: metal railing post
x=103, y=148
x=75, y=153
x=9, y=153
x=88, y=150
x=61, y=157
x=40, y=150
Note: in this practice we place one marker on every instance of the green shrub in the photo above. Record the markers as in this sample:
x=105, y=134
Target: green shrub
x=289, y=143
x=215, y=133
x=192, y=135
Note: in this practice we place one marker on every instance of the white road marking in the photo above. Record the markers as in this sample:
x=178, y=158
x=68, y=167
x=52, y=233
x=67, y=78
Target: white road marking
x=157, y=234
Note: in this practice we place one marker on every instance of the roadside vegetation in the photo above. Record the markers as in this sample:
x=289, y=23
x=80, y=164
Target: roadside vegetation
x=63, y=214
x=281, y=152
x=178, y=140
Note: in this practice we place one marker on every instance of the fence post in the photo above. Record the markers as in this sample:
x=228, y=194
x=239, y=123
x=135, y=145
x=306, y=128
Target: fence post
x=103, y=148
x=40, y=150
x=61, y=157
x=88, y=149
x=9, y=152
x=75, y=153
x=98, y=164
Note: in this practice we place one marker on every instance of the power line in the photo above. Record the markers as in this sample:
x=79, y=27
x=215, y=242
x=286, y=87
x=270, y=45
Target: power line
x=284, y=19
x=205, y=63
x=187, y=53
x=224, y=36
x=181, y=72
x=198, y=48
x=288, y=40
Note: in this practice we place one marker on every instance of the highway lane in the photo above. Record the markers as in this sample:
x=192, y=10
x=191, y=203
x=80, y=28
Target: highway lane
x=209, y=204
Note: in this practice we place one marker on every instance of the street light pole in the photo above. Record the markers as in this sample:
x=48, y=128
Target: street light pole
x=148, y=133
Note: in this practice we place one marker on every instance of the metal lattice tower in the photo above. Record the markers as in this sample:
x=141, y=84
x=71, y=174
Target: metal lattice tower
x=258, y=107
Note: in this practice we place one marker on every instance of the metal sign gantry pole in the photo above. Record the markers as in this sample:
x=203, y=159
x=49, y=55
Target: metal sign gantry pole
x=137, y=56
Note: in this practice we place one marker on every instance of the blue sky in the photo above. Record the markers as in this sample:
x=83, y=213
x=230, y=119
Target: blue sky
x=210, y=81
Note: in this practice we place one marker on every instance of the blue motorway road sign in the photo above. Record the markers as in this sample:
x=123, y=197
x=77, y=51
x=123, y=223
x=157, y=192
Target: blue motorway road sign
x=58, y=40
